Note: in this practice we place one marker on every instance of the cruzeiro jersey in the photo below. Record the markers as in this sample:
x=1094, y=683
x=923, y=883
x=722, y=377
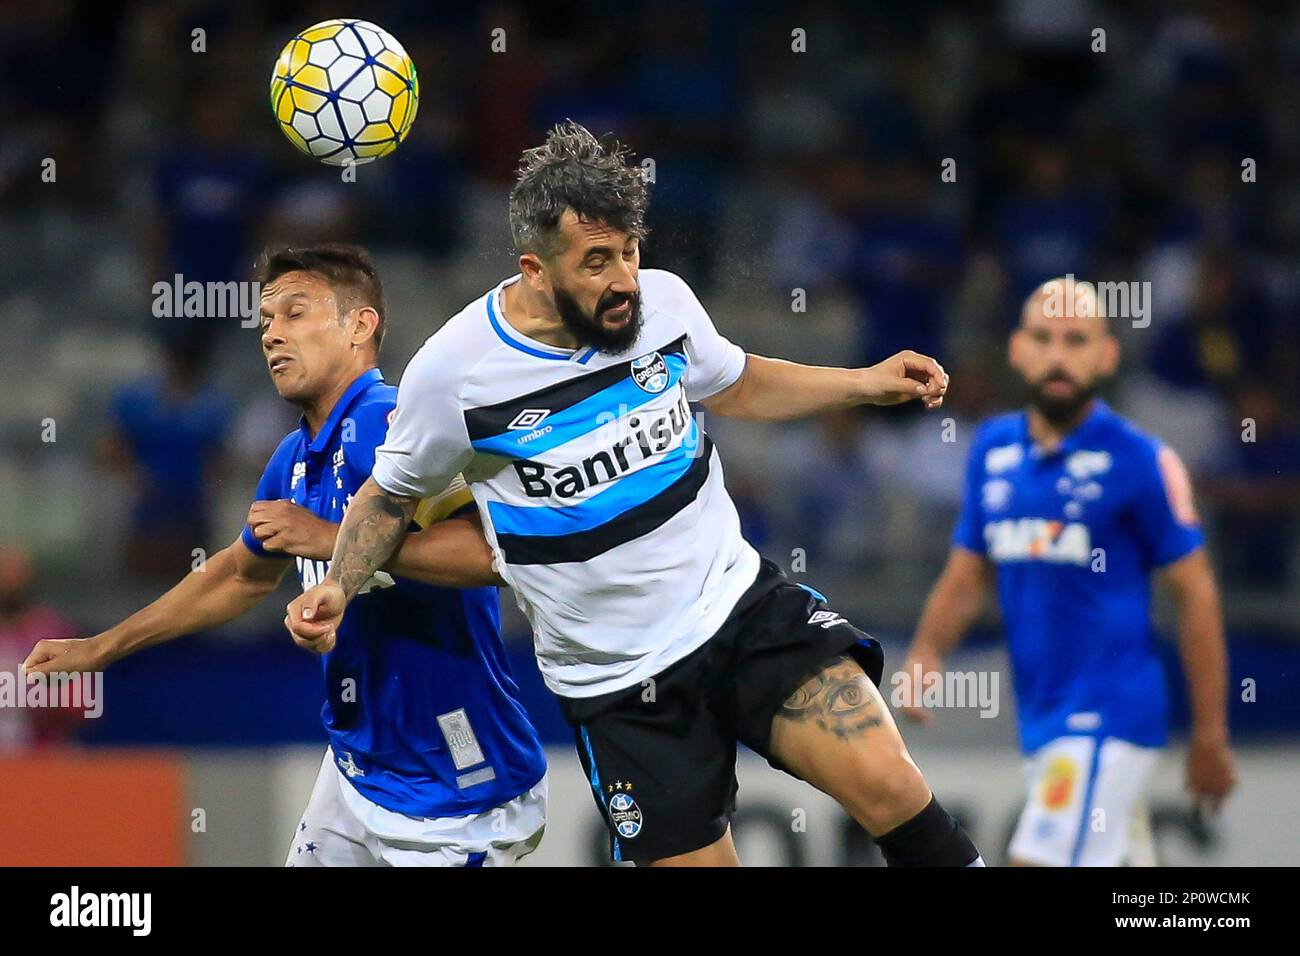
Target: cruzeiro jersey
x=421, y=710
x=1075, y=535
x=600, y=494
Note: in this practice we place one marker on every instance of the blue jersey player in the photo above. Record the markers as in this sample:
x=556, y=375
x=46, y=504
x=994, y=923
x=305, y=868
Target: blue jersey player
x=1073, y=510
x=431, y=760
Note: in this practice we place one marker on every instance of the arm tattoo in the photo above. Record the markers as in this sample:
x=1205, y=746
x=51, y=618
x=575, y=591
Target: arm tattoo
x=371, y=531
x=839, y=699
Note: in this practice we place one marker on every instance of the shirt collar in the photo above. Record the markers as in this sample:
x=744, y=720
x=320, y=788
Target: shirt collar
x=524, y=343
x=325, y=435
x=1070, y=442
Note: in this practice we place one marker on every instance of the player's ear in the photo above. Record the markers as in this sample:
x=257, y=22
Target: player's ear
x=1109, y=355
x=531, y=268
x=365, y=324
x=1014, y=346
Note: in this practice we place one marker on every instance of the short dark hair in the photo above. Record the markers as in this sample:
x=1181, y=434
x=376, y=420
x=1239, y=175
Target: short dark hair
x=575, y=170
x=346, y=268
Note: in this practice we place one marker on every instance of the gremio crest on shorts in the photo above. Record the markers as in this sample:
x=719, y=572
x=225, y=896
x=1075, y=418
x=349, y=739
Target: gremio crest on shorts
x=650, y=372
x=625, y=815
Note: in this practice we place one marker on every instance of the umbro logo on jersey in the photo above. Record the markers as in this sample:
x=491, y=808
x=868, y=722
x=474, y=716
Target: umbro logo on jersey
x=348, y=765
x=1003, y=458
x=529, y=418
x=825, y=619
x=650, y=372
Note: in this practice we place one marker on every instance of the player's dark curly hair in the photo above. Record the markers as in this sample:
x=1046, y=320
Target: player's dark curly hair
x=346, y=268
x=575, y=170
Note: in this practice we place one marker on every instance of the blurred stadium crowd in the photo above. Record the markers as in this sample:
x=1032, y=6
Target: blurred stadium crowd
x=801, y=194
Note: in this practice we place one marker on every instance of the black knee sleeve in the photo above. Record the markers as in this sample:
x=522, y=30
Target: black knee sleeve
x=931, y=838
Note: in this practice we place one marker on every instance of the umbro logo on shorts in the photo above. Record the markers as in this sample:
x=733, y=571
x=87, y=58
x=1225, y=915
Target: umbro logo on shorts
x=825, y=619
x=529, y=418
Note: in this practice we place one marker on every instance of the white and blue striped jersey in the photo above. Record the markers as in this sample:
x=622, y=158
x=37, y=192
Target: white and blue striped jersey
x=600, y=495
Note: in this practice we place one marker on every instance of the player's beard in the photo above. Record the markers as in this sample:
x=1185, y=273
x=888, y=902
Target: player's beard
x=1060, y=409
x=589, y=331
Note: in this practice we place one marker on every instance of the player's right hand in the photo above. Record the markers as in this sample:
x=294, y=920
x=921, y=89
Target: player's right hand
x=71, y=656
x=923, y=665
x=313, y=617
x=904, y=376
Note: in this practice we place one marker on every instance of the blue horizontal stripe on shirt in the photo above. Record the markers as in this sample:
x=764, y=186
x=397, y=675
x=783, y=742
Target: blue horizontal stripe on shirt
x=626, y=493
x=603, y=408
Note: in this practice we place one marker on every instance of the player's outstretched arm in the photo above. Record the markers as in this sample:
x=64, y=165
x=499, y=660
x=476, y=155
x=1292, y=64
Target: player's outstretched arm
x=372, y=528
x=229, y=583
x=451, y=553
x=1190, y=581
x=950, y=610
x=776, y=390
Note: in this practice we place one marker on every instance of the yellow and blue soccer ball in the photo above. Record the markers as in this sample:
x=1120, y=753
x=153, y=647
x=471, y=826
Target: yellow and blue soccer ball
x=344, y=91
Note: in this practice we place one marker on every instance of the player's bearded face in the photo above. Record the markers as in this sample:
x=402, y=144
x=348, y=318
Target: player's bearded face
x=1059, y=396
x=1062, y=360
x=611, y=327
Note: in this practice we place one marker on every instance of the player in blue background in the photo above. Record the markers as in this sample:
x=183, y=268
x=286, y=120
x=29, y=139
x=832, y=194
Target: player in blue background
x=1074, y=508
x=431, y=760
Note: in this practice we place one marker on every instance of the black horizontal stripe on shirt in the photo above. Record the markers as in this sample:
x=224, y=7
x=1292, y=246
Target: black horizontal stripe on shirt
x=490, y=420
x=637, y=521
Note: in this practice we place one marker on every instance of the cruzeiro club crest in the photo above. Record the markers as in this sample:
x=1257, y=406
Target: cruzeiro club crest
x=650, y=372
x=624, y=814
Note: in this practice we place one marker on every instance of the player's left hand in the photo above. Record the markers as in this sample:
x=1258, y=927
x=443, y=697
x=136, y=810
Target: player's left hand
x=905, y=376
x=284, y=526
x=1211, y=771
x=314, y=616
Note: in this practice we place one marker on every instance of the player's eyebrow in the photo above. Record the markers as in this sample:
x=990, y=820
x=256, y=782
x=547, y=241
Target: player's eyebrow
x=287, y=297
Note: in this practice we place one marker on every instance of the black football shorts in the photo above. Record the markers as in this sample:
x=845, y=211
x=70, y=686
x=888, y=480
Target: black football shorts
x=661, y=755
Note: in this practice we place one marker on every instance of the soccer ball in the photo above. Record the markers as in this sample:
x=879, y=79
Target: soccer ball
x=344, y=91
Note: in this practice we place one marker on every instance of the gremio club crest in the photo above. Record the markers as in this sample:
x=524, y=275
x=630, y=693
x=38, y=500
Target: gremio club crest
x=650, y=372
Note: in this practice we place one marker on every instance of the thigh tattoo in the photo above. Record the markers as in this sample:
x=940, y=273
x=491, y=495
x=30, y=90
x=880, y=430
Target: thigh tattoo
x=839, y=699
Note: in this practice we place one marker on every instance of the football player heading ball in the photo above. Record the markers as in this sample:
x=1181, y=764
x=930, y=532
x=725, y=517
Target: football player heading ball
x=564, y=395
